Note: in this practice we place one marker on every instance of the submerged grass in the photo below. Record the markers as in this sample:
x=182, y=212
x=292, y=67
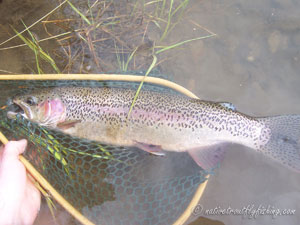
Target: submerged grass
x=169, y=20
x=35, y=23
x=165, y=48
x=141, y=84
x=109, y=32
x=37, y=49
x=79, y=13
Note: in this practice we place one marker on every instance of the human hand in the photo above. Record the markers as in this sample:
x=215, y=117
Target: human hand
x=19, y=198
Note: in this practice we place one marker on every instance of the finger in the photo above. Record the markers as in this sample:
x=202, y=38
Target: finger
x=12, y=179
x=14, y=148
x=12, y=171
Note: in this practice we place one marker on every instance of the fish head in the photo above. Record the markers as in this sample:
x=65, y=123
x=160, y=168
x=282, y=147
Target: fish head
x=46, y=109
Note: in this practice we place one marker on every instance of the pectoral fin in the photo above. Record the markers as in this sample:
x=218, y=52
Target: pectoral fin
x=67, y=124
x=153, y=149
x=208, y=157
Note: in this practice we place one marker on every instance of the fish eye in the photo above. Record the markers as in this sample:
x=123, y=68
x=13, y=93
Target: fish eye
x=31, y=101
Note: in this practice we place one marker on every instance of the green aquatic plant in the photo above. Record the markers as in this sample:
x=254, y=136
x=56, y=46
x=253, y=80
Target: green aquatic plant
x=36, y=22
x=141, y=84
x=169, y=19
x=79, y=13
x=38, y=51
x=97, y=34
x=165, y=48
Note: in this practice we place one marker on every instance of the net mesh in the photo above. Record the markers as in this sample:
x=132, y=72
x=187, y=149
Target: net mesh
x=107, y=184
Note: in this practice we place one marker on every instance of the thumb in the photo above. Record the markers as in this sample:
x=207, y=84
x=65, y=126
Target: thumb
x=14, y=148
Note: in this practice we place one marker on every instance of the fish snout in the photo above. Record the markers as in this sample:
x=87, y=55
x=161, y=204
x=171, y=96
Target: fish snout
x=23, y=109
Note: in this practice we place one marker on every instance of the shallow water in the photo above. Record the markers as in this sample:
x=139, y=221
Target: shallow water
x=253, y=62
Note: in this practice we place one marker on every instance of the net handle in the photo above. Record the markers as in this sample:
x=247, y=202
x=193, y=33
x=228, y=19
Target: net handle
x=101, y=77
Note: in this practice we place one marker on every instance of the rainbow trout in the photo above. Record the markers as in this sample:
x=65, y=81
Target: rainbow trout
x=161, y=122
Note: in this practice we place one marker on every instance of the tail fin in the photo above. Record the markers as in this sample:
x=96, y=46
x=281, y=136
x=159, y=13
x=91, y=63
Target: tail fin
x=284, y=143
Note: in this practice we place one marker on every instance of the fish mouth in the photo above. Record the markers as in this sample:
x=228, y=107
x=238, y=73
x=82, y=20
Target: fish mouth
x=21, y=108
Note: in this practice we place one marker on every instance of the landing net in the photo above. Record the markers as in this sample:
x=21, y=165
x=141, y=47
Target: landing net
x=107, y=184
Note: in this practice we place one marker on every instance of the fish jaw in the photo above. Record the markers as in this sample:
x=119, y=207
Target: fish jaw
x=48, y=113
x=27, y=112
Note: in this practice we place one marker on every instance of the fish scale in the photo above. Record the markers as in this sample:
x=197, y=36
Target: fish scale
x=163, y=121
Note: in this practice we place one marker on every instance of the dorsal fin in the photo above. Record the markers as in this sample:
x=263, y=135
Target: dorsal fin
x=228, y=105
